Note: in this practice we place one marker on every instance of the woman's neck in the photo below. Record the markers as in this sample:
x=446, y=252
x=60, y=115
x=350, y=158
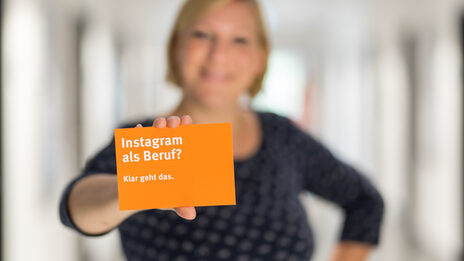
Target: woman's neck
x=234, y=114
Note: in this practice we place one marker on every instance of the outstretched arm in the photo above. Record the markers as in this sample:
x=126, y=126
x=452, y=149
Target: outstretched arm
x=92, y=206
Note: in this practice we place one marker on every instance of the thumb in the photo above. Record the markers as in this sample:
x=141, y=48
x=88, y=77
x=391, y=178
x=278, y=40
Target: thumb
x=186, y=212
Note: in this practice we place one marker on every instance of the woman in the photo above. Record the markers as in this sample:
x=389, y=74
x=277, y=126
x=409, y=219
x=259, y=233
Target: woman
x=218, y=52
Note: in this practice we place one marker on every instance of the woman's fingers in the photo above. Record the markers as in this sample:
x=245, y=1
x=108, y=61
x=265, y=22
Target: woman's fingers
x=172, y=121
x=185, y=120
x=186, y=212
x=159, y=122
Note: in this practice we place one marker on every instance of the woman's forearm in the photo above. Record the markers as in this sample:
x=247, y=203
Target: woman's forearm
x=93, y=204
x=351, y=251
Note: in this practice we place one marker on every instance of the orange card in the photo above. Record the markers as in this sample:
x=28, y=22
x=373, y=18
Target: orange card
x=191, y=165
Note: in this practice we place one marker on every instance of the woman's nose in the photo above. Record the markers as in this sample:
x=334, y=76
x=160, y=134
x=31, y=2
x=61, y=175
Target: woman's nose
x=219, y=51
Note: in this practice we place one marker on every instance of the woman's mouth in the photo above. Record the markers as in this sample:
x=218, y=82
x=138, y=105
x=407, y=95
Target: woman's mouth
x=210, y=76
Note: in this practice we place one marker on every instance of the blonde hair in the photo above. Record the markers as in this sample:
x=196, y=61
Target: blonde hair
x=194, y=9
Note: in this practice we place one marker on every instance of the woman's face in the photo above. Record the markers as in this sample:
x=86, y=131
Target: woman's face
x=220, y=55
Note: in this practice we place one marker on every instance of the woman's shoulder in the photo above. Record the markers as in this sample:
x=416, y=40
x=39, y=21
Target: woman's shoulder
x=281, y=127
x=276, y=120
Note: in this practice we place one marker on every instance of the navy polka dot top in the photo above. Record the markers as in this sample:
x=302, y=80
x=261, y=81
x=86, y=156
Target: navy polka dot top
x=269, y=222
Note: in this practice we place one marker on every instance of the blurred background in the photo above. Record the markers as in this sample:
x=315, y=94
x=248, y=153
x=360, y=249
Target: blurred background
x=378, y=81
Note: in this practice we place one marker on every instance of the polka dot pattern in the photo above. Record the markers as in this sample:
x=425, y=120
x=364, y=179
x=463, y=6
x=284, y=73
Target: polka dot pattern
x=268, y=222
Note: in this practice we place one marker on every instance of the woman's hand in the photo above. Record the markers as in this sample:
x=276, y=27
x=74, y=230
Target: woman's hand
x=173, y=122
x=351, y=251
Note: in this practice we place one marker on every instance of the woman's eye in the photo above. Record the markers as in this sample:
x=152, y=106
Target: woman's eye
x=200, y=35
x=241, y=40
